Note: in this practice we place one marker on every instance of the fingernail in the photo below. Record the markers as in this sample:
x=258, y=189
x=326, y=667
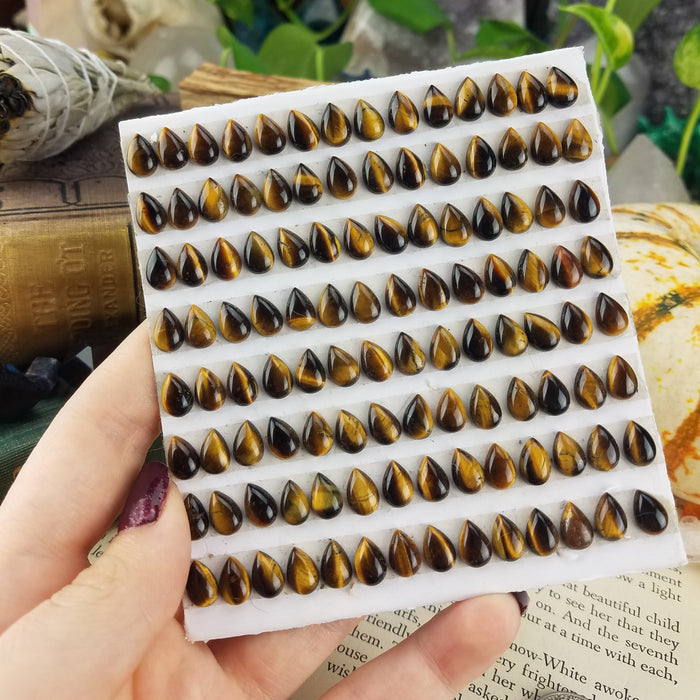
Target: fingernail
x=145, y=500
x=522, y=599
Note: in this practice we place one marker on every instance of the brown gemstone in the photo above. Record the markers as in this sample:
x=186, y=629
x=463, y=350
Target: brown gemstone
x=302, y=574
x=201, y=585
x=438, y=552
x=335, y=126
x=515, y=213
x=532, y=96
x=602, y=450
x=576, y=327
x=358, y=240
x=450, y=414
x=621, y=379
x=370, y=564
x=200, y=331
x=433, y=290
x=364, y=303
x=245, y=196
x=317, y=436
x=444, y=166
x=350, y=434
x=182, y=457
x=484, y=410
x=213, y=203
x=568, y=455
x=341, y=178
x=576, y=528
x=276, y=192
x=417, y=418
x=541, y=534
x=306, y=185
x=168, y=333
x=533, y=275
x=610, y=317
x=282, y=439
x=545, y=145
x=499, y=468
x=403, y=115
x=390, y=234
x=481, y=160
x=266, y=576
x=552, y=396
x=260, y=507
x=326, y=499
x=196, y=517
x=649, y=513
x=292, y=250
x=202, y=146
x=404, y=557
x=444, y=349
x=638, y=445
x=409, y=357
x=566, y=268
x=410, y=170
x=596, y=259
x=269, y=136
x=233, y=323
x=399, y=297
x=276, y=378
x=397, y=487
x=577, y=144
x=324, y=244
x=299, y=312
x=584, y=205
x=294, y=505
x=437, y=108
x=510, y=338
x=332, y=309
x=225, y=260
x=234, y=582
x=486, y=220
x=336, y=569
x=507, y=541
x=215, y=455
x=549, y=209
x=224, y=513
x=501, y=99
x=310, y=373
x=499, y=276
x=376, y=173
x=161, y=271
x=455, y=229
x=235, y=142
x=191, y=266
x=466, y=284
x=561, y=88
x=512, y=151
x=248, y=445
x=368, y=123
x=542, y=334
x=140, y=157
x=182, y=211
x=432, y=480
x=610, y=519
x=383, y=425
x=469, y=101
x=589, y=389
x=343, y=368
x=362, y=494
x=476, y=341
x=150, y=213
x=265, y=316
x=474, y=547
x=303, y=133
x=422, y=228
x=534, y=463
x=172, y=152
x=521, y=400
x=467, y=473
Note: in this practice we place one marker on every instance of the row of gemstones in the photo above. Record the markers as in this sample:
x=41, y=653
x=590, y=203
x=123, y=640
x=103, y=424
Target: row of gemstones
x=530, y=95
x=277, y=195
x=370, y=567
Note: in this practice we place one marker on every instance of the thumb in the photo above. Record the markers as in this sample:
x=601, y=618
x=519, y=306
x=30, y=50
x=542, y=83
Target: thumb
x=89, y=637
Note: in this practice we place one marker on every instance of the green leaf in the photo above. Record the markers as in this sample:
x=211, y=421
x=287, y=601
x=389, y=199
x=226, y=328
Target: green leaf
x=419, y=15
x=686, y=59
x=163, y=84
x=634, y=12
x=335, y=58
x=616, y=96
x=494, y=32
x=613, y=33
x=242, y=10
x=244, y=58
x=290, y=49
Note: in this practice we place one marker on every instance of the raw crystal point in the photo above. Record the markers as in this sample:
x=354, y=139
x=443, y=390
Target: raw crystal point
x=532, y=96
x=276, y=192
x=302, y=574
x=610, y=519
x=376, y=173
x=577, y=144
x=168, y=333
x=602, y=450
x=282, y=439
x=150, y=213
x=233, y=323
x=265, y=316
x=404, y=557
x=533, y=275
x=336, y=569
x=306, y=185
x=484, y=410
x=516, y=214
x=409, y=357
x=224, y=513
x=480, y=160
x=403, y=115
x=350, y=434
x=276, y=378
x=507, y=540
x=576, y=529
x=561, y=88
x=269, y=137
x=450, y=414
x=303, y=133
x=499, y=276
x=410, y=170
x=294, y=505
x=417, y=418
x=521, y=400
x=368, y=123
x=584, y=205
x=215, y=455
x=182, y=211
x=201, y=585
x=299, y=312
x=335, y=126
x=161, y=272
x=248, y=445
x=266, y=576
x=621, y=379
x=576, y=326
x=175, y=396
x=358, y=240
x=510, y=338
x=375, y=361
x=469, y=101
x=596, y=259
x=384, y=426
x=390, y=234
x=501, y=99
x=370, y=564
x=140, y=157
x=542, y=333
x=437, y=108
x=324, y=244
x=196, y=517
x=235, y=142
x=433, y=290
x=326, y=499
x=589, y=389
x=202, y=146
x=455, y=229
x=397, y=487
x=343, y=368
x=444, y=166
x=292, y=250
x=534, y=463
x=225, y=260
x=474, y=547
x=566, y=268
x=209, y=390
x=549, y=209
x=317, y=435
x=499, y=468
x=362, y=494
x=438, y=552
x=364, y=303
x=466, y=284
x=310, y=374
x=610, y=316
x=340, y=178
x=545, y=146
x=552, y=396
x=512, y=151
x=332, y=309
x=399, y=298
x=541, y=534
x=649, y=513
x=432, y=481
x=191, y=266
x=245, y=196
x=241, y=384
x=172, y=152
x=638, y=445
x=444, y=349
x=568, y=455
x=260, y=507
x=234, y=582
x=182, y=457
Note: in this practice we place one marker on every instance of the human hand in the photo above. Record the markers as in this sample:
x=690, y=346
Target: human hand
x=113, y=630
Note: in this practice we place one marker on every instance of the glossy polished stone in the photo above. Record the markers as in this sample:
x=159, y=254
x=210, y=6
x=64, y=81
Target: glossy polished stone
x=141, y=157
x=444, y=166
x=540, y=534
x=362, y=493
x=358, y=240
x=310, y=374
x=486, y=220
x=168, y=333
x=499, y=276
x=150, y=213
x=317, y=435
x=402, y=113
x=565, y=268
x=368, y=123
x=610, y=519
x=241, y=384
x=584, y=205
x=302, y=574
x=215, y=455
x=589, y=388
x=417, y=418
x=510, y=338
x=474, y=547
x=433, y=290
x=364, y=303
x=265, y=316
x=422, y=228
x=306, y=185
x=596, y=259
x=303, y=133
x=521, y=400
x=638, y=445
x=549, y=209
x=299, y=312
x=175, y=396
x=282, y=439
x=248, y=447
x=183, y=458
x=376, y=173
x=469, y=101
x=542, y=333
x=266, y=576
x=438, y=551
x=576, y=326
x=224, y=513
x=501, y=99
x=276, y=378
x=292, y=249
x=161, y=271
x=171, y=149
x=390, y=235
x=506, y=539
x=182, y=211
x=245, y=196
x=235, y=142
x=234, y=582
x=455, y=229
x=350, y=434
x=294, y=505
x=202, y=146
x=276, y=192
x=324, y=244
x=335, y=126
x=332, y=309
x=432, y=481
x=192, y=268
x=480, y=160
x=649, y=514
x=568, y=456
x=260, y=507
x=444, y=349
x=516, y=214
x=343, y=368
x=534, y=463
x=269, y=137
x=336, y=569
x=196, y=517
x=577, y=144
x=410, y=170
x=340, y=178
x=409, y=357
x=466, y=284
x=545, y=146
x=450, y=414
x=326, y=499
x=225, y=260
x=499, y=468
x=552, y=396
x=602, y=451
x=576, y=529
x=561, y=88
x=397, y=487
x=533, y=275
x=621, y=379
x=512, y=151
x=399, y=298
x=484, y=410
x=404, y=557
x=467, y=473
x=383, y=425
x=370, y=564
x=437, y=108
x=201, y=586
x=532, y=95
x=610, y=316
x=213, y=203
x=476, y=341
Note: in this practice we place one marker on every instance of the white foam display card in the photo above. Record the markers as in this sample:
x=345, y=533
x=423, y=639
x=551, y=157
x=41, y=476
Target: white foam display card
x=637, y=550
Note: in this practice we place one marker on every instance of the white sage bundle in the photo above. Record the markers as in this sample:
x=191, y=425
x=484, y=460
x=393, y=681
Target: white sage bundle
x=52, y=95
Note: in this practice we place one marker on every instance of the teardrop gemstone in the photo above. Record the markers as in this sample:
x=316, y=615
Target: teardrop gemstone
x=302, y=574
x=466, y=284
x=276, y=192
x=533, y=275
x=399, y=297
x=343, y=368
x=577, y=144
x=370, y=564
x=303, y=133
x=306, y=185
x=235, y=142
x=225, y=260
x=450, y=414
x=432, y=480
x=233, y=323
x=467, y=473
x=266, y=576
x=566, y=268
x=433, y=290
x=410, y=171
x=269, y=137
x=335, y=126
x=364, y=303
x=576, y=529
x=561, y=88
x=299, y=312
x=168, y=333
x=310, y=374
x=368, y=123
x=638, y=445
x=517, y=216
x=499, y=468
x=437, y=108
x=202, y=146
x=649, y=513
x=182, y=211
x=340, y=178
x=358, y=240
x=621, y=379
x=610, y=317
x=260, y=507
x=224, y=513
x=521, y=400
x=200, y=331
x=469, y=101
x=476, y=341
x=444, y=166
x=506, y=539
x=532, y=96
x=602, y=450
x=422, y=228
x=161, y=271
x=474, y=547
x=552, y=396
x=140, y=157
x=545, y=145
x=326, y=499
x=375, y=361
x=191, y=266
x=438, y=552
x=569, y=457
x=541, y=535
x=501, y=99
x=336, y=569
x=534, y=463
x=196, y=517
x=317, y=436
x=294, y=505
x=510, y=338
x=362, y=493
x=376, y=173
x=589, y=389
x=480, y=160
x=499, y=276
x=391, y=236
x=201, y=585
x=444, y=349
x=542, y=333
x=150, y=213
x=549, y=209
x=404, y=557
x=282, y=439
x=455, y=229
x=576, y=327
x=417, y=418
x=409, y=357
x=172, y=152
x=324, y=244
x=213, y=203
x=584, y=205
x=276, y=378
x=248, y=447
x=292, y=250
x=596, y=260
x=484, y=410
x=332, y=309
x=209, y=390
x=245, y=196
x=403, y=115
x=265, y=316
x=241, y=384
x=397, y=487
x=182, y=457
x=486, y=220
x=512, y=151
x=350, y=434
x=610, y=519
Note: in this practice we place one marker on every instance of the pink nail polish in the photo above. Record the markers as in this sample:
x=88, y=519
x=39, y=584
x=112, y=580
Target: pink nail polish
x=145, y=500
